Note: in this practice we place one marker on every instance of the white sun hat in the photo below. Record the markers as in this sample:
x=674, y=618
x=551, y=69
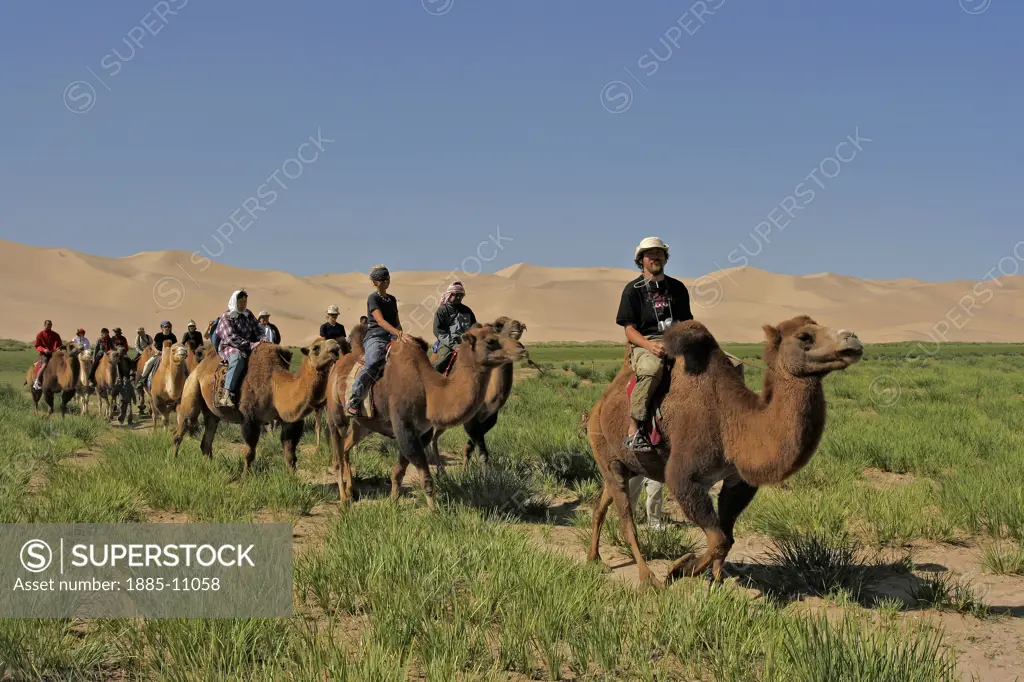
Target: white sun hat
x=650, y=243
x=332, y=309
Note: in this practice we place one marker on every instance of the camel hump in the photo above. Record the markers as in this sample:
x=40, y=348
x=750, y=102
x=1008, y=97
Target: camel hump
x=690, y=339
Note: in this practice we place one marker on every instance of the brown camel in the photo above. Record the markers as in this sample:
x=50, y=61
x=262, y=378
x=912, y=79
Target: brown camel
x=84, y=390
x=113, y=384
x=61, y=375
x=137, y=366
x=716, y=429
x=269, y=391
x=412, y=399
x=498, y=390
x=168, y=382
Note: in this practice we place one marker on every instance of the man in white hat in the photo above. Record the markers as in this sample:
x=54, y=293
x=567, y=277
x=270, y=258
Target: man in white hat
x=193, y=338
x=650, y=304
x=269, y=331
x=332, y=329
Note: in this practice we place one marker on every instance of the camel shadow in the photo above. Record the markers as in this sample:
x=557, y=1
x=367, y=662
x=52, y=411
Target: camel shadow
x=871, y=585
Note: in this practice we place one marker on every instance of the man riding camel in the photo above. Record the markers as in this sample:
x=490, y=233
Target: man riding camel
x=238, y=334
x=332, y=329
x=165, y=334
x=382, y=325
x=650, y=304
x=142, y=341
x=268, y=330
x=192, y=338
x=119, y=339
x=104, y=344
x=452, y=319
x=47, y=343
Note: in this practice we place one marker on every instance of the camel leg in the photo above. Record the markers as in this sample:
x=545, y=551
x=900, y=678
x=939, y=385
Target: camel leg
x=418, y=456
x=619, y=488
x=336, y=447
x=595, y=531
x=210, y=424
x=695, y=502
x=251, y=431
x=354, y=435
x=152, y=408
x=48, y=397
x=291, y=434
x=736, y=494
x=318, y=424
x=479, y=430
x=435, y=449
x=397, y=474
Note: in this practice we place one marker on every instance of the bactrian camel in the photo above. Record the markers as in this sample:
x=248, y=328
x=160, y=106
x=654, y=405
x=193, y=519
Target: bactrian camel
x=717, y=429
x=499, y=388
x=270, y=391
x=168, y=382
x=412, y=399
x=61, y=375
x=85, y=390
x=113, y=383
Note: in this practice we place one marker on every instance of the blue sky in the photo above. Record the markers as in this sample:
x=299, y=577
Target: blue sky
x=450, y=118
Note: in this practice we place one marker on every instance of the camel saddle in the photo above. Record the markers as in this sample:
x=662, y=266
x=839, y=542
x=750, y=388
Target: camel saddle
x=451, y=361
x=654, y=419
x=219, y=375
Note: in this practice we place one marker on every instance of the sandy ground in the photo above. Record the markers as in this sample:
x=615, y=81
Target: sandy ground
x=557, y=304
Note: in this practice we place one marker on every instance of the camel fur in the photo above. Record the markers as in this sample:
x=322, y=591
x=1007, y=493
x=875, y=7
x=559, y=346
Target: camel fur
x=269, y=391
x=168, y=382
x=61, y=375
x=498, y=390
x=113, y=383
x=84, y=390
x=717, y=429
x=412, y=399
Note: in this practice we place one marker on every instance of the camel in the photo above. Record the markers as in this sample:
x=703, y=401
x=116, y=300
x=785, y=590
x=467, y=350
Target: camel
x=498, y=390
x=84, y=390
x=412, y=399
x=168, y=381
x=61, y=375
x=113, y=383
x=136, y=371
x=716, y=429
x=269, y=391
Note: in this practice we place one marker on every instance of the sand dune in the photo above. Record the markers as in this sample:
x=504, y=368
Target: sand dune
x=558, y=304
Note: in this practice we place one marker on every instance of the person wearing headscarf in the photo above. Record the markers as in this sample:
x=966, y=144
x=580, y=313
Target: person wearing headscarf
x=238, y=334
x=452, y=319
x=382, y=325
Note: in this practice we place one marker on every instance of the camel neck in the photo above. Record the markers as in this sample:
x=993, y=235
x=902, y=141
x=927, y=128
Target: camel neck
x=295, y=394
x=786, y=425
x=459, y=395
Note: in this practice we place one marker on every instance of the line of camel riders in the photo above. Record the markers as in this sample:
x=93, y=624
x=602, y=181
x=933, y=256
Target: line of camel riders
x=649, y=305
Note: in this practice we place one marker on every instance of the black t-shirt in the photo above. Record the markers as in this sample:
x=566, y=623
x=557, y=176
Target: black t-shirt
x=332, y=330
x=388, y=307
x=193, y=339
x=158, y=340
x=643, y=305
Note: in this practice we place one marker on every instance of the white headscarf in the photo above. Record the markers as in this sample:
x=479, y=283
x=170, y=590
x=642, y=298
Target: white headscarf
x=233, y=304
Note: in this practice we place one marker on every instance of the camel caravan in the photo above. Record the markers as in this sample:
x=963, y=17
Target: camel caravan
x=677, y=414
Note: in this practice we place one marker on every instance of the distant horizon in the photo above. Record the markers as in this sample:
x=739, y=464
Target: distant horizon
x=628, y=267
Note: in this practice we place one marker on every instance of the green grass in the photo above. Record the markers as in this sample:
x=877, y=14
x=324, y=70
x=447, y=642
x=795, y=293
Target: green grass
x=468, y=592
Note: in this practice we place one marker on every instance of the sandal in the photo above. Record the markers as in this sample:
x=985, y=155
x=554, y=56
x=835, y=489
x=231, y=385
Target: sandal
x=638, y=443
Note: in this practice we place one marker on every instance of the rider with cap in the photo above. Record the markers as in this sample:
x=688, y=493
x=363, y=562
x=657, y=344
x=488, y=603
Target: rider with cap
x=142, y=341
x=268, y=330
x=452, y=319
x=332, y=329
x=165, y=334
x=81, y=339
x=193, y=338
x=104, y=344
x=382, y=325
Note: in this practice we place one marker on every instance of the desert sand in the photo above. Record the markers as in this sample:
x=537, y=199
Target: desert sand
x=558, y=304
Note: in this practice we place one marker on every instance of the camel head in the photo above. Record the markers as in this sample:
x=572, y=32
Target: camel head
x=179, y=353
x=323, y=353
x=490, y=348
x=801, y=347
x=508, y=327
x=71, y=348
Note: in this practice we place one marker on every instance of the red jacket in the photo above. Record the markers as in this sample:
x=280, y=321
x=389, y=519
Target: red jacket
x=120, y=340
x=47, y=341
